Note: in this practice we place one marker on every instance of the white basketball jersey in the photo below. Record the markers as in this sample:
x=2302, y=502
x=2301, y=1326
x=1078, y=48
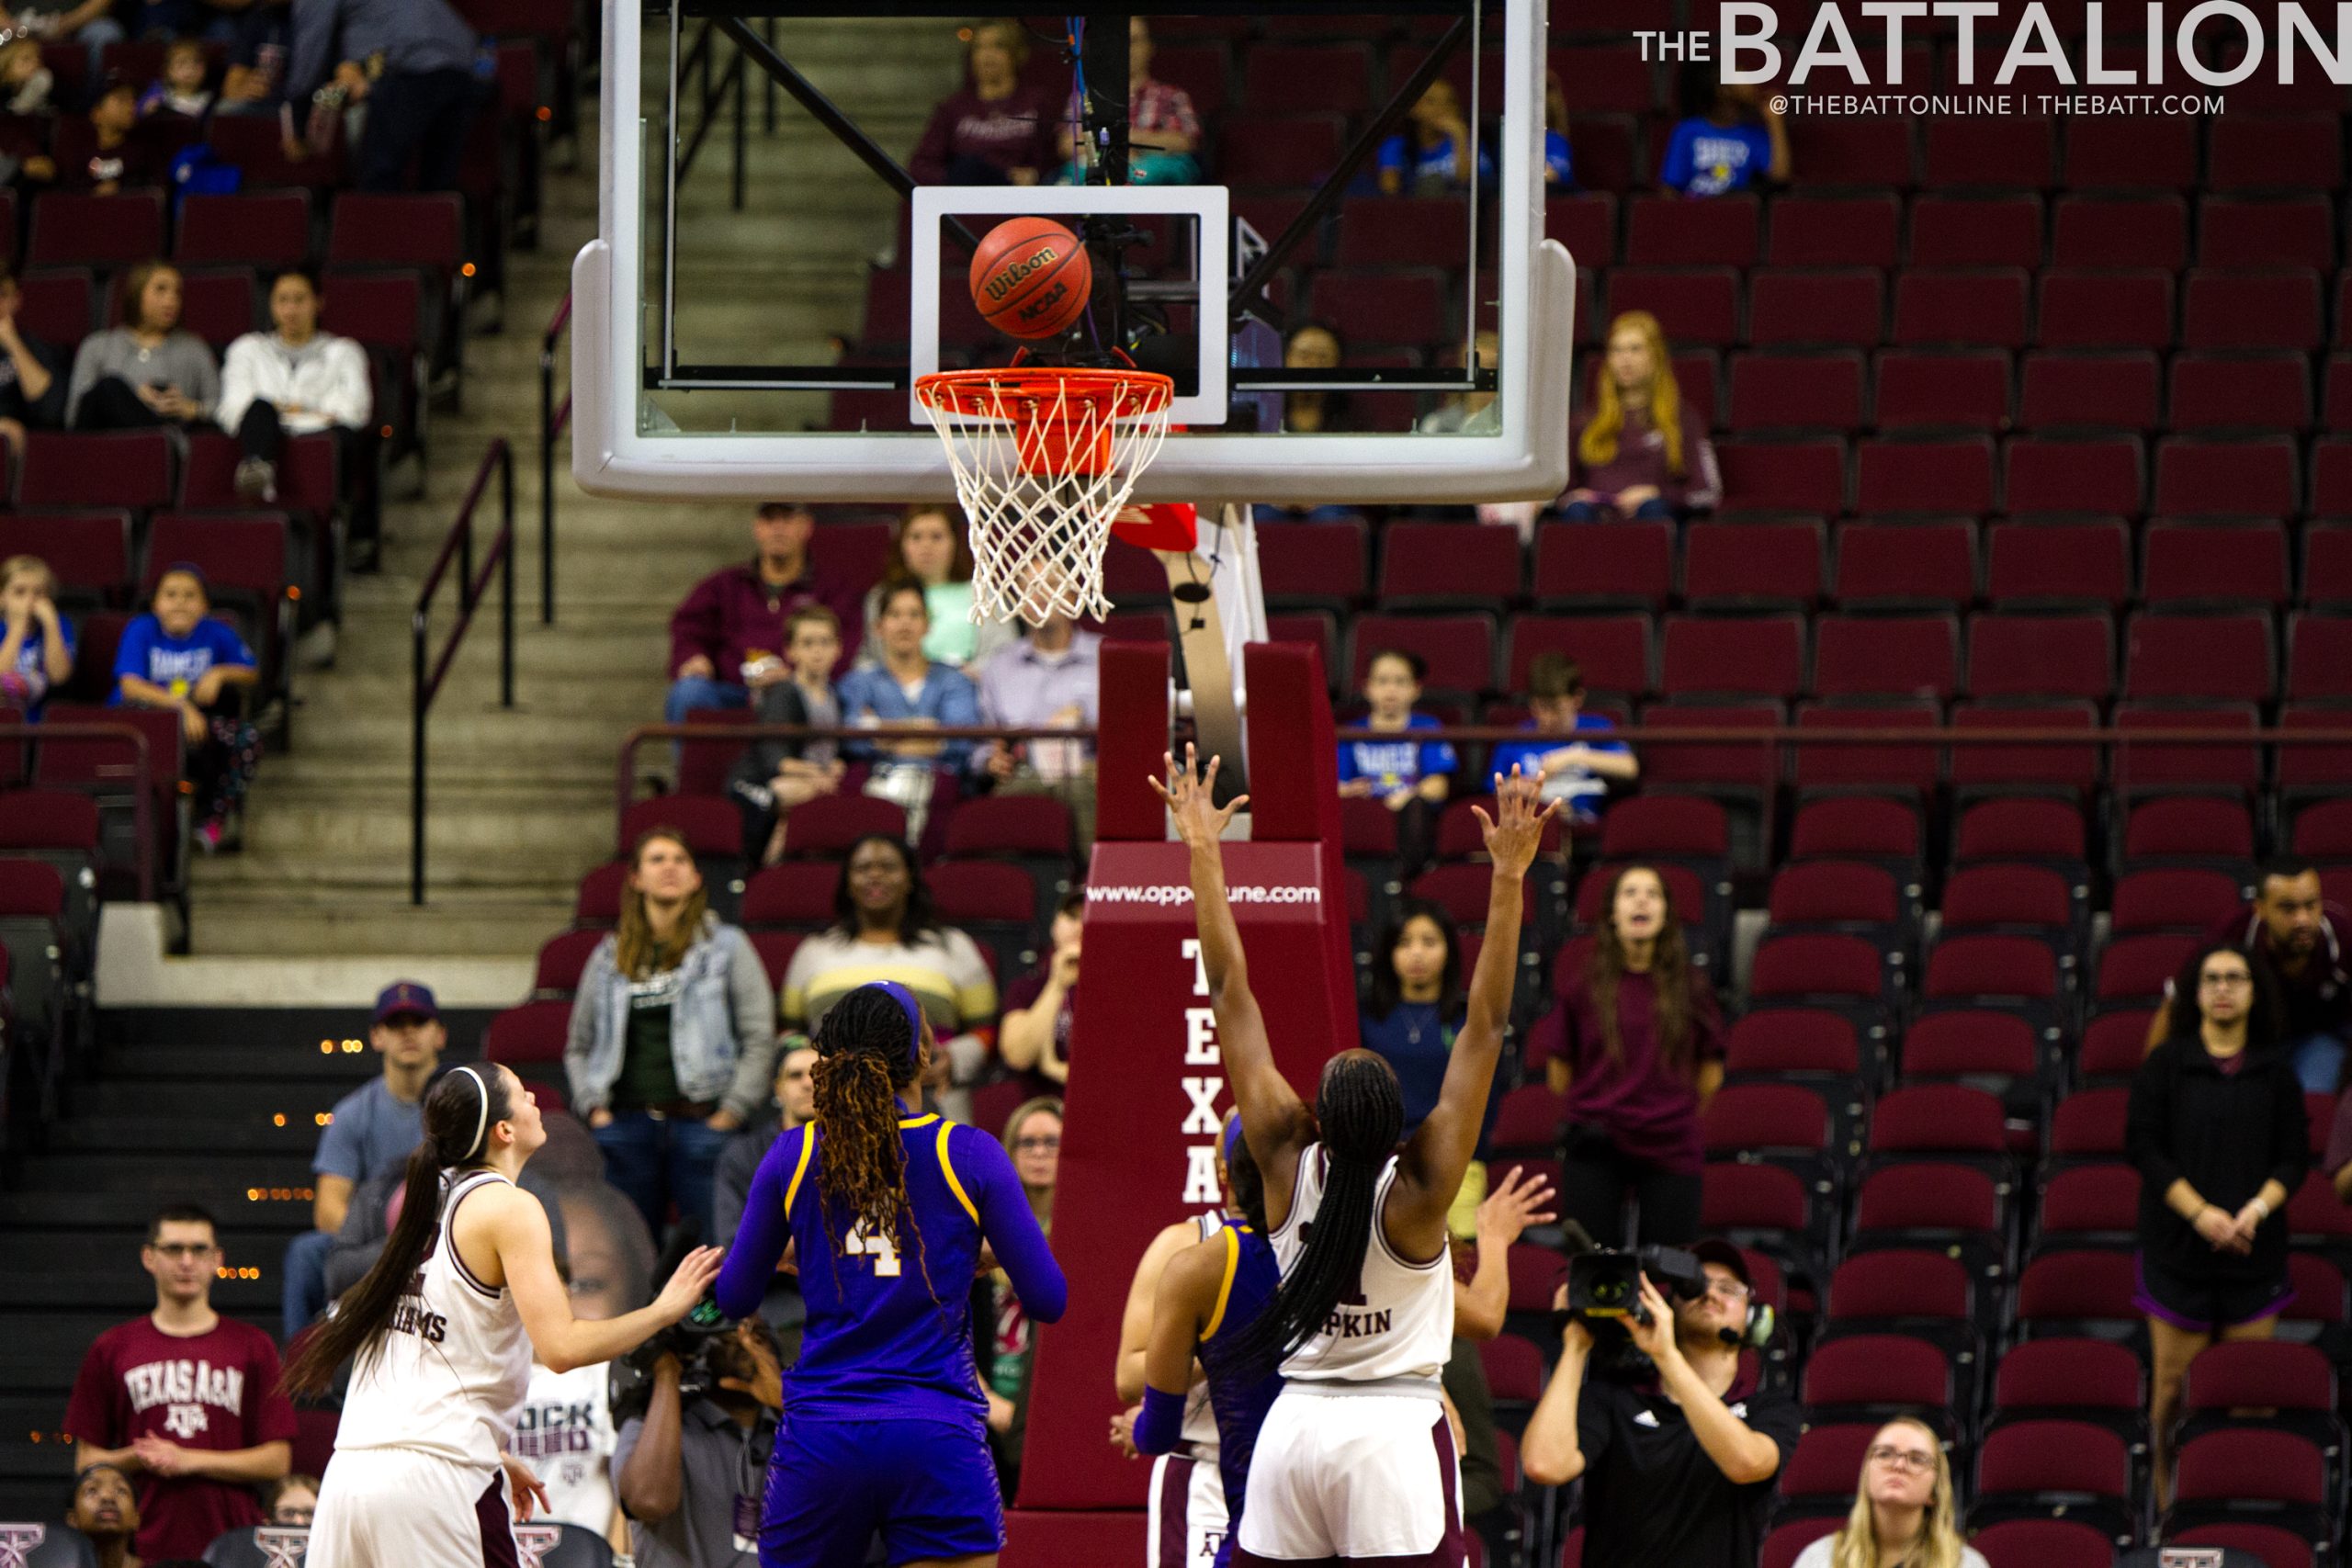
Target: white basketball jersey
x=1397, y=1323
x=565, y=1434
x=451, y=1370
x=1200, y=1421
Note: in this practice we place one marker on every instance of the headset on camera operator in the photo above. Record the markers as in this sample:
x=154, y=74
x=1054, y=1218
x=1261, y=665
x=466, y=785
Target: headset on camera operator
x=1677, y=1473
x=691, y=1464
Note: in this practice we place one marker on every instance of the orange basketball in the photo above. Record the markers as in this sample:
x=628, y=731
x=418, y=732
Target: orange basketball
x=1031, y=278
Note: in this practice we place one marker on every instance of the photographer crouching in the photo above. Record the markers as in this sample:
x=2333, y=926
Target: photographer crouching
x=692, y=1461
x=1678, y=1457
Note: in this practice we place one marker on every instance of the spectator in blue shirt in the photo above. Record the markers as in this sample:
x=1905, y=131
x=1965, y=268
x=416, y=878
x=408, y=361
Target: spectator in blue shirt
x=908, y=689
x=1731, y=139
x=1415, y=1005
x=36, y=642
x=1431, y=156
x=370, y=1131
x=176, y=656
x=1559, y=168
x=1576, y=772
x=1410, y=777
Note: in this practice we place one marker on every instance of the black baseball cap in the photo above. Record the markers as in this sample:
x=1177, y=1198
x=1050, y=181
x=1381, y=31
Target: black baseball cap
x=406, y=998
x=1715, y=1250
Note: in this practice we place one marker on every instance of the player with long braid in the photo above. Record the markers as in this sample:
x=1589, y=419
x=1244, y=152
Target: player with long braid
x=884, y=1424
x=1354, y=1460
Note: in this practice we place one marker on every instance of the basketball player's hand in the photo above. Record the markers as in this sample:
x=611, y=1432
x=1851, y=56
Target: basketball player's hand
x=530, y=1494
x=1122, y=1432
x=1516, y=830
x=1510, y=1208
x=1655, y=1338
x=690, y=1283
x=1191, y=795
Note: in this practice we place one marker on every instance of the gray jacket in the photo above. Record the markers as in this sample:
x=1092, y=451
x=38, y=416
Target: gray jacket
x=180, y=360
x=722, y=1033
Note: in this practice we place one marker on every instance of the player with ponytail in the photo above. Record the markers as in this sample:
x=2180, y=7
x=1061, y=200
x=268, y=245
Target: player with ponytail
x=1365, y=1307
x=884, y=1424
x=442, y=1331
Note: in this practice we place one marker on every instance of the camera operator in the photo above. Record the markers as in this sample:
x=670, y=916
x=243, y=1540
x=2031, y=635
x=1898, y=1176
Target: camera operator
x=1677, y=1473
x=691, y=1470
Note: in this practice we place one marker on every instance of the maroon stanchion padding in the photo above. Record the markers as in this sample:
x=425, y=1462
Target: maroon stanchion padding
x=1146, y=1091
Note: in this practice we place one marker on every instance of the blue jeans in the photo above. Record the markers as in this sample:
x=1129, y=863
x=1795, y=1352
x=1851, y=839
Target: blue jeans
x=306, y=1279
x=1602, y=511
x=2319, y=1062
x=654, y=1160
x=688, y=693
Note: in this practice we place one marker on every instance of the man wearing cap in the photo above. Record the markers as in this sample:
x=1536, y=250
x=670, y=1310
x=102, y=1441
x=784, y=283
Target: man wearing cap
x=1679, y=1469
x=371, y=1131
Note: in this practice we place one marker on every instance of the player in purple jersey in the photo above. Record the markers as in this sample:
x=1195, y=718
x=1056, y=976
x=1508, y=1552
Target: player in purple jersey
x=886, y=1213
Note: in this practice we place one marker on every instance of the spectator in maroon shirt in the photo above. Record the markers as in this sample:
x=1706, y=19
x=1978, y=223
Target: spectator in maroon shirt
x=185, y=1400
x=1636, y=1045
x=2297, y=936
x=1639, y=451
x=998, y=131
x=1033, y=1034
x=729, y=638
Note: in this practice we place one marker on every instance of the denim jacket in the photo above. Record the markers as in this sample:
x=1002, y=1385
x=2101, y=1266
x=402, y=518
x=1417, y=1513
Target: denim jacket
x=722, y=1033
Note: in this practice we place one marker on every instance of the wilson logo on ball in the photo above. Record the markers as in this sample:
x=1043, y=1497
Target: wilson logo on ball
x=1004, y=282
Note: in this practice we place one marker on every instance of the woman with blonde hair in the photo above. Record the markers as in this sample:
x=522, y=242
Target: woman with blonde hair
x=1639, y=451
x=673, y=1039
x=1904, y=1515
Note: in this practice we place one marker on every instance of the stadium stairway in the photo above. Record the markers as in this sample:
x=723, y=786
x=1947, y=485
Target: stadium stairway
x=521, y=803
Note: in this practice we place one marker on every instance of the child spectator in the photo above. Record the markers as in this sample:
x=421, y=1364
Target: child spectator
x=36, y=642
x=25, y=79
x=182, y=90
x=1431, y=156
x=150, y=371
x=295, y=381
x=292, y=1500
x=1410, y=777
x=90, y=24
x=1637, y=451
x=177, y=656
x=1033, y=1136
x=106, y=1509
x=1578, y=772
x=1731, y=138
x=908, y=689
x=1163, y=133
x=931, y=548
x=1033, y=1034
x=184, y=1399
x=1416, y=1005
x=120, y=156
x=774, y=776
x=1559, y=166
x=32, y=381
x=998, y=131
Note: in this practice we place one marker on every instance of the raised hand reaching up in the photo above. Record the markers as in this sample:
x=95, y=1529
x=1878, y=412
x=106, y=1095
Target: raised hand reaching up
x=1191, y=795
x=1516, y=830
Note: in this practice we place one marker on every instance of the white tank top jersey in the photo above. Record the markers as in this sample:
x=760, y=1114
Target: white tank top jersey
x=1199, y=1431
x=565, y=1434
x=1397, y=1323
x=454, y=1363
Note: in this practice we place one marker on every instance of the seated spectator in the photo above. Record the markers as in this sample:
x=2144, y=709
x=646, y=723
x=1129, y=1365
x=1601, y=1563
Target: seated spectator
x=1468, y=413
x=1431, y=156
x=884, y=930
x=907, y=690
x=796, y=1105
x=1559, y=164
x=1904, y=1510
x=295, y=380
x=1034, y=1035
x=774, y=776
x=178, y=656
x=673, y=1036
x=122, y=155
x=369, y=1134
x=1730, y=137
x=292, y=1500
x=1415, y=1006
x=27, y=81
x=931, y=549
x=90, y=24
x=1000, y=129
x=1410, y=777
x=1315, y=346
x=183, y=1399
x=1637, y=451
x=1033, y=1136
x=735, y=619
x=2296, y=940
x=1163, y=133
x=32, y=379
x=183, y=89
x=106, y=1509
x=149, y=371
x=1046, y=680
x=1577, y=772
x=36, y=642
x=412, y=63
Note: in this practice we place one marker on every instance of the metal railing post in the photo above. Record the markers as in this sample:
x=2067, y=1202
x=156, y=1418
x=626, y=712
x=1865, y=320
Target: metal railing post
x=418, y=700
x=506, y=577
x=742, y=87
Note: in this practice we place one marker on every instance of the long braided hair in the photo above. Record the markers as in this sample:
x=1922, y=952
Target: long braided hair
x=1361, y=1111
x=864, y=1057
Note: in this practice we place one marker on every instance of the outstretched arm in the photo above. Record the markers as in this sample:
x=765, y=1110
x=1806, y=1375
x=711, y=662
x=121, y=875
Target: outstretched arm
x=1135, y=1323
x=1273, y=1118
x=1430, y=1171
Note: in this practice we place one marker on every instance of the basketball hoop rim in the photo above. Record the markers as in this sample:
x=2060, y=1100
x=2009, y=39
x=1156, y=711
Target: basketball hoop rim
x=1034, y=388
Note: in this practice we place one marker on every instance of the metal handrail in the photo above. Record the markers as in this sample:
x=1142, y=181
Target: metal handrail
x=553, y=422
x=426, y=685
x=142, y=825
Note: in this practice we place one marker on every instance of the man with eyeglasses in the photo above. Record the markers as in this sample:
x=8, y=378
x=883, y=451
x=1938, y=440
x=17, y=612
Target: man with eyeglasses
x=1678, y=1470
x=183, y=1400
x=2294, y=933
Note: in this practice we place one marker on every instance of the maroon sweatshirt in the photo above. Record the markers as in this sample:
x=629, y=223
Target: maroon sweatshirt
x=1641, y=460
x=734, y=613
x=1649, y=1112
x=1021, y=131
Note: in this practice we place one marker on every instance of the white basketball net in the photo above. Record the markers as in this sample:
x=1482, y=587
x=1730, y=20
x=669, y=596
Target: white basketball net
x=1041, y=521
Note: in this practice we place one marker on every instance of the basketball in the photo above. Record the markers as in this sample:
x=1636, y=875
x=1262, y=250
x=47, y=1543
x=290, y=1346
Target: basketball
x=1031, y=278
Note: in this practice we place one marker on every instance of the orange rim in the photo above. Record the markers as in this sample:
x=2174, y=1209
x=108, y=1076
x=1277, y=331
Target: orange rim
x=1063, y=420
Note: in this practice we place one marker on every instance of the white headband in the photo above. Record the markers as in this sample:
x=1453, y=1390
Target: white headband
x=481, y=1117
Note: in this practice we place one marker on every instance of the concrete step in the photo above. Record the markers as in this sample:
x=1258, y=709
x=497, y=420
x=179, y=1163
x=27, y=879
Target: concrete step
x=43, y=1219
x=168, y=1174
x=378, y=921
x=256, y=1133
x=222, y=1104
